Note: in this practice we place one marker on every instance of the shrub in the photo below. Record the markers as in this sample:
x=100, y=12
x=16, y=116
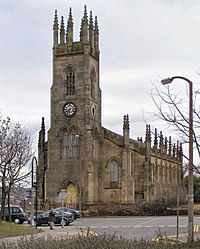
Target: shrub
x=126, y=209
x=96, y=242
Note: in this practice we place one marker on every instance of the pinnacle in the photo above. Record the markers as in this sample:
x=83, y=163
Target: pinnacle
x=96, y=25
x=55, y=25
x=91, y=20
x=62, y=22
x=85, y=14
x=70, y=19
x=43, y=125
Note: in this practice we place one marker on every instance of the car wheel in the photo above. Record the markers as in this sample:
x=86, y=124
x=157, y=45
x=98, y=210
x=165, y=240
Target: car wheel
x=16, y=221
x=63, y=222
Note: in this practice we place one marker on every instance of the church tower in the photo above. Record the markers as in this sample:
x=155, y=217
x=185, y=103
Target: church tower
x=75, y=112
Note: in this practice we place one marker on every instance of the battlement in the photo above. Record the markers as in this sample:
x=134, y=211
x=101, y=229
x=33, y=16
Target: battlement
x=63, y=41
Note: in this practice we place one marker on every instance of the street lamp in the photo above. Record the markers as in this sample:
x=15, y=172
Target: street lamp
x=34, y=187
x=190, y=177
x=62, y=196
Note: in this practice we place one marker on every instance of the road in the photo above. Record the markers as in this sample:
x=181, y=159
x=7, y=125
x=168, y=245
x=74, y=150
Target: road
x=135, y=227
x=127, y=227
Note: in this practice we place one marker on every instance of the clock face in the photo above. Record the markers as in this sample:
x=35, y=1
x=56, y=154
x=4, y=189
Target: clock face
x=69, y=109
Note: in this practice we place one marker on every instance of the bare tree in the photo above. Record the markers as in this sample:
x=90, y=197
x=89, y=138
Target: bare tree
x=172, y=108
x=15, y=153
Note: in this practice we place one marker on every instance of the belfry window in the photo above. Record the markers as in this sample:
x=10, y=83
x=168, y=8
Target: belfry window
x=70, y=81
x=114, y=173
x=70, y=144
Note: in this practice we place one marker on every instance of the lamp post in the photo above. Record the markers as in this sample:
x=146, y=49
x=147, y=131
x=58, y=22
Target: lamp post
x=62, y=196
x=190, y=176
x=34, y=186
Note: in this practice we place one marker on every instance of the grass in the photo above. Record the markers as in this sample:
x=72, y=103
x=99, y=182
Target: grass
x=9, y=229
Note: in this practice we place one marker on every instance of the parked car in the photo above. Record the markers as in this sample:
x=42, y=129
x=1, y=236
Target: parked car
x=67, y=213
x=18, y=216
x=43, y=219
x=75, y=212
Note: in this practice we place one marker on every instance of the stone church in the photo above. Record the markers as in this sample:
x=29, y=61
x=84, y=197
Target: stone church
x=91, y=164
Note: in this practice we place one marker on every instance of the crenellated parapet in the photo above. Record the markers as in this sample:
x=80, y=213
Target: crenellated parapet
x=63, y=40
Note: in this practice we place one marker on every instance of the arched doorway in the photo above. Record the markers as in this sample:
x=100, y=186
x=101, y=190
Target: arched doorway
x=71, y=197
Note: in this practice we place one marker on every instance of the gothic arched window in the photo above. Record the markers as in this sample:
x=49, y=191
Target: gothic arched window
x=70, y=144
x=114, y=173
x=70, y=81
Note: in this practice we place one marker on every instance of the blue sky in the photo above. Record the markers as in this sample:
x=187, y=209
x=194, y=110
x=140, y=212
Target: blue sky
x=141, y=41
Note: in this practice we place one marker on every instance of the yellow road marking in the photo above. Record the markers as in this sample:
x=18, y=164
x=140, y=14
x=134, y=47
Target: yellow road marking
x=88, y=232
x=196, y=228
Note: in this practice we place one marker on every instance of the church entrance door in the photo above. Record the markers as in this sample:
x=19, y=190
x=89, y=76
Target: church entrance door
x=71, y=197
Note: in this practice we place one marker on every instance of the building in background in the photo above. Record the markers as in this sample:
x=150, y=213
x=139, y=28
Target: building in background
x=92, y=164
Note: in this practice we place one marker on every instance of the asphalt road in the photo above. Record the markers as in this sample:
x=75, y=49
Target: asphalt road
x=127, y=227
x=135, y=227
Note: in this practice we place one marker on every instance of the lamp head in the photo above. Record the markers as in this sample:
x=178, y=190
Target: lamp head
x=167, y=81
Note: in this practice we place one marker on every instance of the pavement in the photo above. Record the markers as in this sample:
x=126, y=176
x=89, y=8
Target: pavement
x=58, y=232
x=183, y=237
